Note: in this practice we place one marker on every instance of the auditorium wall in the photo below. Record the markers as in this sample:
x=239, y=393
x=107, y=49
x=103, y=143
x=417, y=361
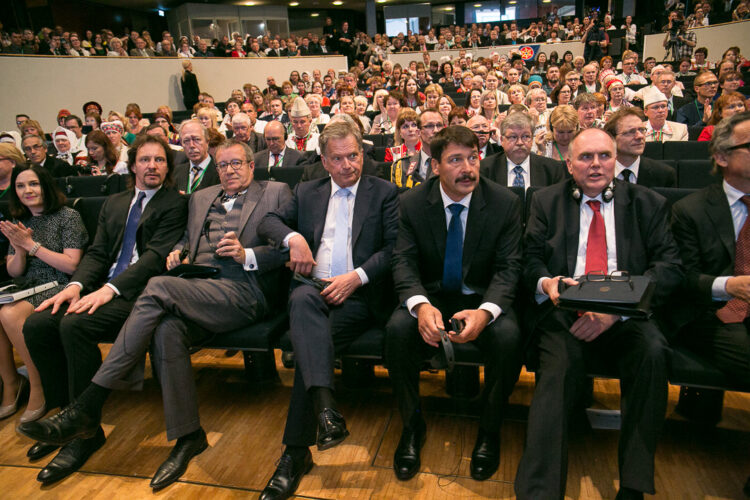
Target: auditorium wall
x=716, y=39
x=40, y=86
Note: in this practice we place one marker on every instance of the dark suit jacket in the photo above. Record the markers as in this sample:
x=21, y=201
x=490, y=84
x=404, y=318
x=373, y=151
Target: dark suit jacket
x=653, y=173
x=492, y=245
x=374, y=228
x=182, y=176
x=59, y=168
x=291, y=158
x=160, y=227
x=256, y=141
x=493, y=149
x=645, y=245
x=543, y=171
x=702, y=225
x=677, y=103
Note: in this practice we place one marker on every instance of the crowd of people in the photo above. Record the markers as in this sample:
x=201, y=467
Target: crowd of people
x=459, y=130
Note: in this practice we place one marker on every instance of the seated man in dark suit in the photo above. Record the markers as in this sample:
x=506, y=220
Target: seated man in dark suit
x=174, y=313
x=711, y=229
x=243, y=128
x=518, y=166
x=482, y=128
x=476, y=226
x=277, y=113
x=199, y=170
x=342, y=231
x=277, y=154
x=35, y=150
x=594, y=223
x=410, y=171
x=627, y=126
x=136, y=230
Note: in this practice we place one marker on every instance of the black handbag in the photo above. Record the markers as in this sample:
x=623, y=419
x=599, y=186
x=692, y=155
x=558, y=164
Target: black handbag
x=619, y=294
x=189, y=271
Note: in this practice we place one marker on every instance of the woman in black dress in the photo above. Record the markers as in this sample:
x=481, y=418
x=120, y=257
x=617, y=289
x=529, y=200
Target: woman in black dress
x=46, y=244
x=189, y=84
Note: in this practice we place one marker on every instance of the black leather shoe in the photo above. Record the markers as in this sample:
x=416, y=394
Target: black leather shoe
x=62, y=428
x=406, y=460
x=629, y=494
x=71, y=457
x=286, y=478
x=331, y=429
x=40, y=450
x=485, y=458
x=179, y=458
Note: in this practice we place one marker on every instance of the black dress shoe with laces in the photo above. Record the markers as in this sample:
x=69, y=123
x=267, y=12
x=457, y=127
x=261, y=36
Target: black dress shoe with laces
x=175, y=466
x=485, y=458
x=71, y=457
x=287, y=476
x=40, y=450
x=62, y=428
x=331, y=429
x=406, y=460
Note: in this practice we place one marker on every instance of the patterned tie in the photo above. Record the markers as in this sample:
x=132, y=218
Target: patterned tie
x=275, y=160
x=339, y=252
x=627, y=175
x=128, y=239
x=596, y=246
x=454, y=248
x=196, y=170
x=736, y=310
x=518, y=181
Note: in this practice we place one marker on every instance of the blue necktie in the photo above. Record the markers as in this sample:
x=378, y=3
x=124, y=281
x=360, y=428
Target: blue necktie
x=339, y=260
x=454, y=249
x=128, y=240
x=518, y=181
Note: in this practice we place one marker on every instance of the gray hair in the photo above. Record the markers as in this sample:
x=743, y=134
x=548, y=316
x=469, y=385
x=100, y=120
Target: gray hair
x=195, y=121
x=516, y=120
x=721, y=140
x=341, y=128
x=241, y=118
x=230, y=143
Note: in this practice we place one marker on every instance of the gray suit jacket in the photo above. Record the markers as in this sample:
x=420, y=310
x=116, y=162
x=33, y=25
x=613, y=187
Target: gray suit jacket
x=291, y=158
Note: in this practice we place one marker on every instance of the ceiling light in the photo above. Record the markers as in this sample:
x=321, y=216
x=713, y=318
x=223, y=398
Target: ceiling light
x=293, y=4
x=546, y=1
x=338, y=2
x=512, y=2
x=315, y=14
x=447, y=8
x=477, y=5
x=380, y=1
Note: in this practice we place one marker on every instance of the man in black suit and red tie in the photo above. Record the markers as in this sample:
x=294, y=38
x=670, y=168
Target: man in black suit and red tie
x=594, y=223
x=711, y=229
x=628, y=127
x=517, y=165
x=340, y=232
x=458, y=255
x=137, y=229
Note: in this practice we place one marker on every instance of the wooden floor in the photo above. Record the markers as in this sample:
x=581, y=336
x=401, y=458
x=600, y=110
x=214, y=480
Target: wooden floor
x=245, y=424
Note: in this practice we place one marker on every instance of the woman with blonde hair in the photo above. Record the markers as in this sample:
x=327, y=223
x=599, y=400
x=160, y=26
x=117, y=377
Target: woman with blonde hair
x=516, y=94
x=10, y=158
x=561, y=128
x=432, y=94
x=32, y=127
x=488, y=106
x=128, y=136
x=406, y=136
x=207, y=116
x=189, y=85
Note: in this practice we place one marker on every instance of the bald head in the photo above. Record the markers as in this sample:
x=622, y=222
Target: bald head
x=591, y=160
x=274, y=136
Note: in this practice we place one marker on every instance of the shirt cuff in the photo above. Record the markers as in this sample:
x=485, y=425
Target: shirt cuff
x=362, y=275
x=719, y=289
x=80, y=285
x=413, y=302
x=251, y=263
x=491, y=308
x=540, y=296
x=288, y=237
x=113, y=287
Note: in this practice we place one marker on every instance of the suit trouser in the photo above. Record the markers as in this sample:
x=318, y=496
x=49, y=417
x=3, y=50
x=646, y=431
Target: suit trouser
x=65, y=349
x=318, y=333
x=163, y=314
x=727, y=345
x=499, y=342
x=639, y=351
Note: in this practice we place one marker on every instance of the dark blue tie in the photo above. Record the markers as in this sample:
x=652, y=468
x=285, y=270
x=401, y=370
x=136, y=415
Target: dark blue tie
x=128, y=240
x=454, y=249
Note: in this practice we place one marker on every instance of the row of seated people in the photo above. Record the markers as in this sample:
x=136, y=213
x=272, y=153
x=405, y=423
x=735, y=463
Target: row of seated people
x=348, y=235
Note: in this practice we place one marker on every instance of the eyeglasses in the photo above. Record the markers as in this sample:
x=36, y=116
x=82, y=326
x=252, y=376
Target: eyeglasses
x=432, y=126
x=513, y=138
x=621, y=276
x=235, y=164
x=744, y=145
x=633, y=131
x=713, y=82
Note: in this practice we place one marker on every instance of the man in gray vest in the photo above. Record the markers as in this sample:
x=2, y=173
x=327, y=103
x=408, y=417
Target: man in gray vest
x=221, y=232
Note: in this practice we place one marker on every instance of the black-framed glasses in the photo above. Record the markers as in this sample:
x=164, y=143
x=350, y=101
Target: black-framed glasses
x=713, y=82
x=235, y=164
x=744, y=145
x=621, y=276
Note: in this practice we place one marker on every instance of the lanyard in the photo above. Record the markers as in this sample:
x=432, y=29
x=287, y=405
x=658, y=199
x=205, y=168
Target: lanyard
x=4, y=191
x=197, y=180
x=279, y=159
x=657, y=136
x=558, y=150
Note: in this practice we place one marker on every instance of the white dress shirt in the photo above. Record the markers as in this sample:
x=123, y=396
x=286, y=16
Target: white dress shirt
x=271, y=163
x=739, y=215
x=526, y=165
x=619, y=167
x=491, y=308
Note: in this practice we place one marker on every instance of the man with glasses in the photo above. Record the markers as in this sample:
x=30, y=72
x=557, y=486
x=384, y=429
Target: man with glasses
x=340, y=232
x=411, y=171
x=629, y=75
x=593, y=223
x=629, y=130
x=303, y=139
x=277, y=153
x=458, y=256
x=517, y=166
x=174, y=313
x=658, y=128
x=35, y=150
x=75, y=125
x=698, y=112
x=197, y=170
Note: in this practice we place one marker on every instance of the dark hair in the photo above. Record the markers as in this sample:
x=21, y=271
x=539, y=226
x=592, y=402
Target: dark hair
x=100, y=138
x=74, y=117
x=141, y=141
x=702, y=50
x=555, y=94
x=459, y=111
x=52, y=197
x=611, y=126
x=455, y=134
x=19, y=116
x=234, y=100
x=467, y=100
x=396, y=95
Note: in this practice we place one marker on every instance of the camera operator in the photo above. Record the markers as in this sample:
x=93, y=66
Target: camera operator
x=595, y=40
x=679, y=39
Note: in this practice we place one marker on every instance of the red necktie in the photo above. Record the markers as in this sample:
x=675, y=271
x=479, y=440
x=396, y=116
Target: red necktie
x=596, y=247
x=480, y=155
x=737, y=310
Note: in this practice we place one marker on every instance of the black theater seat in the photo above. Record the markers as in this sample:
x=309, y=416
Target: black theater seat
x=686, y=150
